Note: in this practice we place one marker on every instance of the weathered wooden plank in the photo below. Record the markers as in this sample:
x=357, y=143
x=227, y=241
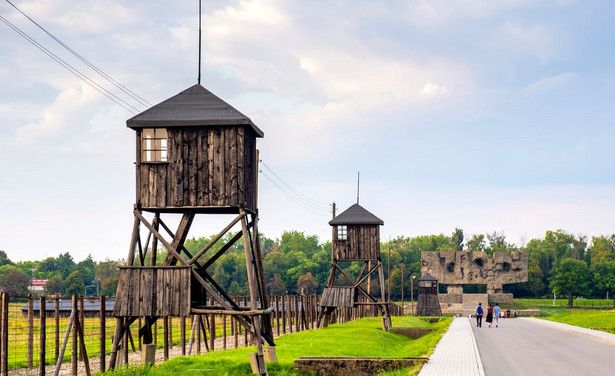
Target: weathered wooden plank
x=241, y=157
x=120, y=296
x=146, y=294
x=201, y=166
x=211, y=196
x=135, y=282
x=231, y=161
x=180, y=178
x=168, y=297
x=160, y=292
x=219, y=189
x=190, y=144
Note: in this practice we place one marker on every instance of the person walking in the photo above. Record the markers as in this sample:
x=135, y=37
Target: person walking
x=496, y=314
x=489, y=317
x=479, y=315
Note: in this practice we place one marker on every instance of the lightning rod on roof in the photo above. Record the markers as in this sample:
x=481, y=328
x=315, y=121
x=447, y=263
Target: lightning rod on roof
x=358, y=179
x=199, y=77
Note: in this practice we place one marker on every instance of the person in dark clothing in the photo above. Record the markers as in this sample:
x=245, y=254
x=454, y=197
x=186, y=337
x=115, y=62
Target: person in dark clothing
x=479, y=315
x=489, y=317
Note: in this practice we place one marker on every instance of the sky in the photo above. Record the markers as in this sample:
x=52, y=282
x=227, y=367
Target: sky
x=489, y=116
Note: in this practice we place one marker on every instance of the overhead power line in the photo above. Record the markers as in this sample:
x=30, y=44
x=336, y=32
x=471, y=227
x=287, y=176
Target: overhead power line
x=85, y=61
x=300, y=196
x=72, y=69
x=291, y=196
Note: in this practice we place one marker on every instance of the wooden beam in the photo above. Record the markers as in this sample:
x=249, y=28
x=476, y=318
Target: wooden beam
x=180, y=237
x=216, y=238
x=232, y=313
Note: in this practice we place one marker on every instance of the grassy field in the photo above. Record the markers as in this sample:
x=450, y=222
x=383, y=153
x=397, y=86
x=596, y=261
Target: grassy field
x=547, y=308
x=362, y=337
x=18, y=336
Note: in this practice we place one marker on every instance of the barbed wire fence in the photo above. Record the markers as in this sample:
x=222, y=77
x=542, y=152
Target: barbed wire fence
x=36, y=332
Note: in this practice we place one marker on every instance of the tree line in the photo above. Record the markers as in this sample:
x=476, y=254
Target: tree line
x=298, y=263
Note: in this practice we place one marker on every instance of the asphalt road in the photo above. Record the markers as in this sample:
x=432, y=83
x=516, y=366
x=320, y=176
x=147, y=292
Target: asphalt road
x=521, y=347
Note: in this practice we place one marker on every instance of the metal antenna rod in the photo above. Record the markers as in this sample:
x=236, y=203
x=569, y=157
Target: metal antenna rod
x=358, y=179
x=199, y=78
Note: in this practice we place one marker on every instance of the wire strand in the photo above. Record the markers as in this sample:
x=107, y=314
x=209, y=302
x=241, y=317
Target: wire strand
x=306, y=199
x=117, y=84
x=285, y=192
x=72, y=69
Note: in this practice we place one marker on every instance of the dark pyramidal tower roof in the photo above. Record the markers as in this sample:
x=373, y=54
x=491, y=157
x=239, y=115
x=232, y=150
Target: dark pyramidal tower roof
x=427, y=277
x=195, y=106
x=356, y=215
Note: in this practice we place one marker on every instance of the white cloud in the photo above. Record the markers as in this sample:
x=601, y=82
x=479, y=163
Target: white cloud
x=546, y=84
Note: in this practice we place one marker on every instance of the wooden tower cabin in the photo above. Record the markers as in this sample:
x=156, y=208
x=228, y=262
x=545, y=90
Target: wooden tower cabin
x=195, y=155
x=356, y=238
x=428, y=303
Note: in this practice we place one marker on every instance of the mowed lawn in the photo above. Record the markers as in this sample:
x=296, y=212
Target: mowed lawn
x=363, y=337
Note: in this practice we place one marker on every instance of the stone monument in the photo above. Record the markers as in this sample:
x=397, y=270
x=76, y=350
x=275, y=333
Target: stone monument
x=458, y=268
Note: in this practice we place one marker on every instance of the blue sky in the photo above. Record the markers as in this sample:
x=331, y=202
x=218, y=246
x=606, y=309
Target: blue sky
x=483, y=115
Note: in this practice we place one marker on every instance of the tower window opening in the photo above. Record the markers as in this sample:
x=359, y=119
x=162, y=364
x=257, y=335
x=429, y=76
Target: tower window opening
x=154, y=145
x=342, y=232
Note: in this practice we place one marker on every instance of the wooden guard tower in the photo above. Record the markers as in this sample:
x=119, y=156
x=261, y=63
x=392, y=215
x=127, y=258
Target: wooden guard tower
x=428, y=303
x=356, y=238
x=196, y=155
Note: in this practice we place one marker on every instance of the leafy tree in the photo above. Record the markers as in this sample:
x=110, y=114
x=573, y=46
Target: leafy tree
x=87, y=268
x=306, y=284
x=4, y=259
x=497, y=243
x=457, y=239
x=107, y=274
x=602, y=249
x=476, y=243
x=275, y=285
x=54, y=285
x=74, y=285
x=14, y=281
x=570, y=276
x=604, y=277
x=62, y=265
x=298, y=241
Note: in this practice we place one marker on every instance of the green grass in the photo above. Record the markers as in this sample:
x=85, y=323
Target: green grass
x=600, y=320
x=362, y=337
x=547, y=308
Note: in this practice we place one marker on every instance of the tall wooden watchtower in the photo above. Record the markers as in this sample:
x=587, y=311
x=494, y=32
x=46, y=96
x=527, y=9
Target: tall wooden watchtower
x=356, y=238
x=195, y=155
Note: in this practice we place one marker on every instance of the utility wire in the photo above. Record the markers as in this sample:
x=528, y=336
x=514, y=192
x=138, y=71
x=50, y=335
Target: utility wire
x=289, y=195
x=301, y=196
x=72, y=69
x=88, y=63
x=292, y=192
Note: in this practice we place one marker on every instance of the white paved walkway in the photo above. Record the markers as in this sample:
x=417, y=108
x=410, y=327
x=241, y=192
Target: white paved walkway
x=456, y=354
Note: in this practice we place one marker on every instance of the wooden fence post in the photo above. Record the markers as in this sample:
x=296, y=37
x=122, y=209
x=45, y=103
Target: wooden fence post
x=165, y=336
x=81, y=320
x=57, y=328
x=103, y=333
x=31, y=331
x=42, y=337
x=73, y=351
x=182, y=336
x=4, y=366
x=224, y=331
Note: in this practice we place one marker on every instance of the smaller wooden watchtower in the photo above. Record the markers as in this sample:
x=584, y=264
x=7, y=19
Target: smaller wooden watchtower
x=428, y=303
x=356, y=238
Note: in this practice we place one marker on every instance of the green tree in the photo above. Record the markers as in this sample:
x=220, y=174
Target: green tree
x=604, y=277
x=306, y=284
x=74, y=285
x=457, y=239
x=62, y=265
x=4, y=259
x=570, y=276
x=602, y=249
x=107, y=274
x=14, y=281
x=87, y=268
x=54, y=285
x=476, y=243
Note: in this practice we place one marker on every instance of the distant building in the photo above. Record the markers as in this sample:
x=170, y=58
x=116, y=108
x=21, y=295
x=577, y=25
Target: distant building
x=37, y=285
x=91, y=307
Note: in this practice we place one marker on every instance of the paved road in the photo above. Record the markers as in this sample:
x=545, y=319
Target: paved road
x=522, y=347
